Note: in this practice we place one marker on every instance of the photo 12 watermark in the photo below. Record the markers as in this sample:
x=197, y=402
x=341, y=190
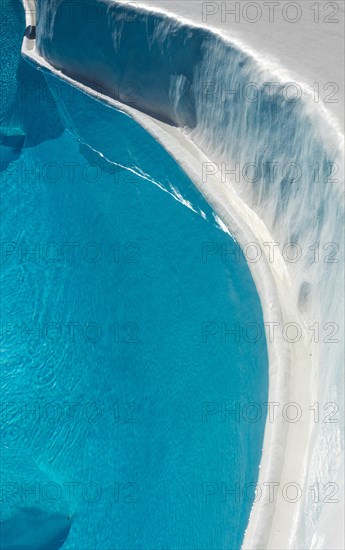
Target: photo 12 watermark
x=269, y=491
x=271, y=11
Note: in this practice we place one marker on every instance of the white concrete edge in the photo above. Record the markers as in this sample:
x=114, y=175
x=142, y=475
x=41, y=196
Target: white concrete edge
x=280, y=74
x=285, y=448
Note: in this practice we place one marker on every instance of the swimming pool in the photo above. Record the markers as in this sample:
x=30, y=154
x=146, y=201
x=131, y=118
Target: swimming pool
x=123, y=308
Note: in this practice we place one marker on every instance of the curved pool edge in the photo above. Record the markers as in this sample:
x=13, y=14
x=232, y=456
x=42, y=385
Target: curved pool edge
x=285, y=446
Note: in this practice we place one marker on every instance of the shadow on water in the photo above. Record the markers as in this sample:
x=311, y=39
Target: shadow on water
x=10, y=146
x=27, y=524
x=21, y=531
x=26, y=102
x=32, y=108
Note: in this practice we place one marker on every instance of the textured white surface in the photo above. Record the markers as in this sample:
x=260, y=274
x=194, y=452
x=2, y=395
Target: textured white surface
x=310, y=49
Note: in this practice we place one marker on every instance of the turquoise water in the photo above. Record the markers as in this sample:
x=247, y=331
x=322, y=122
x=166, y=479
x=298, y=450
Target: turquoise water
x=108, y=373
